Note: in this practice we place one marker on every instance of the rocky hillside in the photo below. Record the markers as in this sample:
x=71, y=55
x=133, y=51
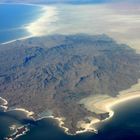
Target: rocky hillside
x=53, y=73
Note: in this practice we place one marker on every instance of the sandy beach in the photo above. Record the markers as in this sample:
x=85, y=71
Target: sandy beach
x=43, y=25
x=105, y=103
x=98, y=103
x=101, y=104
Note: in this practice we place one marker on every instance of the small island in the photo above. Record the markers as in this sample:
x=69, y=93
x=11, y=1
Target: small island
x=19, y=132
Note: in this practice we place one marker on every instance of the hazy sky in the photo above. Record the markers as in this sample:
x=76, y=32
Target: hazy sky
x=91, y=1
x=71, y=1
x=120, y=21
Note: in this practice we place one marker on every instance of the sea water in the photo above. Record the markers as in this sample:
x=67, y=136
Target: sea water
x=124, y=125
x=14, y=18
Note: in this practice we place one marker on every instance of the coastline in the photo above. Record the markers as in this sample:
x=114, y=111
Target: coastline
x=11, y=41
x=3, y=104
x=121, y=37
x=34, y=28
x=59, y=120
x=39, y=26
x=29, y=114
x=103, y=104
x=20, y=131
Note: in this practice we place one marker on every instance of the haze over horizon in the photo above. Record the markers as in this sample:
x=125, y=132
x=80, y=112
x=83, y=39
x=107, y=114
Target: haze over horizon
x=120, y=21
x=72, y=1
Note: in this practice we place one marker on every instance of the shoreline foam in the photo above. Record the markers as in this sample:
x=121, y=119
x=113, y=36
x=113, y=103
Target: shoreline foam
x=103, y=104
x=3, y=104
x=107, y=106
x=14, y=40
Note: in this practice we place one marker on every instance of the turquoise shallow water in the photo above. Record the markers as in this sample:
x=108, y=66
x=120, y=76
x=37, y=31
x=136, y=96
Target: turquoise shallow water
x=125, y=125
x=14, y=18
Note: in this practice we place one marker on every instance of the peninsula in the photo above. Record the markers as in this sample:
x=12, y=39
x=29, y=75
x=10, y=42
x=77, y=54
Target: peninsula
x=52, y=75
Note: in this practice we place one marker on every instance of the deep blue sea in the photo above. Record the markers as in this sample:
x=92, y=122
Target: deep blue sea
x=124, y=125
x=14, y=18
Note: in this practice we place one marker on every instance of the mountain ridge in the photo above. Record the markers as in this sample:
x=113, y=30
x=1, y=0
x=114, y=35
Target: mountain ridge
x=53, y=73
